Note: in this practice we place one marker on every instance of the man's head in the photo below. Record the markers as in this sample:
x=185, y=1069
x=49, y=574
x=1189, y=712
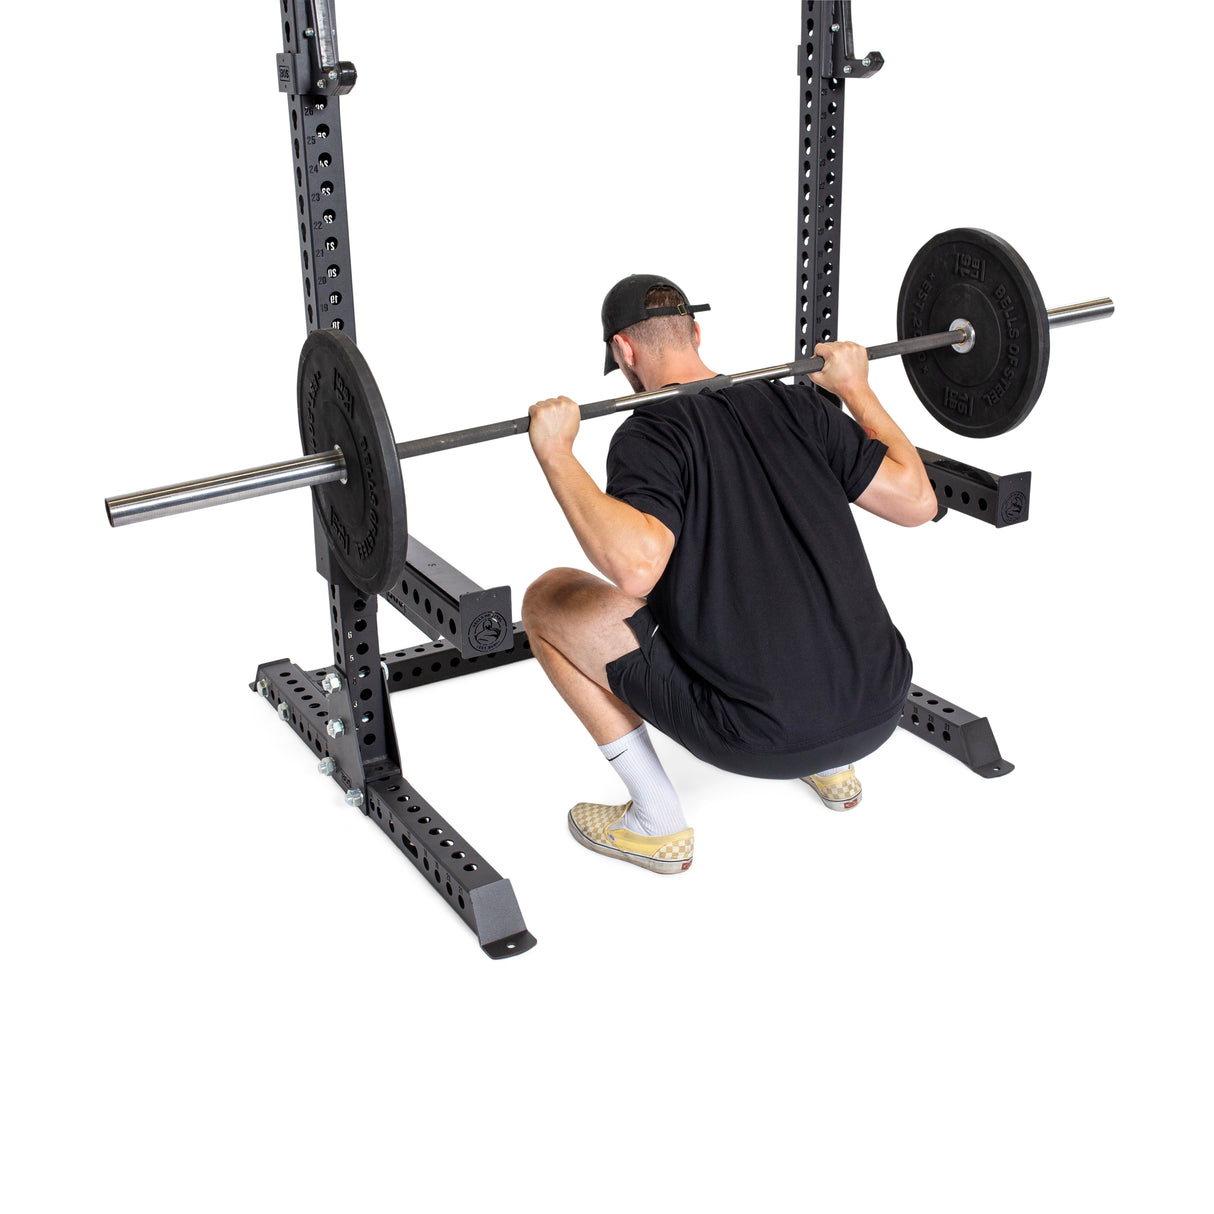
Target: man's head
x=652, y=317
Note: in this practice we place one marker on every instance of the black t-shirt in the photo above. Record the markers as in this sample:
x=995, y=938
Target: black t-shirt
x=768, y=596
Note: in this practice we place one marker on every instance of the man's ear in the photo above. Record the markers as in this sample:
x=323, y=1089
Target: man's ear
x=696, y=327
x=625, y=354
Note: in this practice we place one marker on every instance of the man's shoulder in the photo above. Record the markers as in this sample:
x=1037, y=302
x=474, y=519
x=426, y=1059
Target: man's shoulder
x=654, y=415
x=772, y=393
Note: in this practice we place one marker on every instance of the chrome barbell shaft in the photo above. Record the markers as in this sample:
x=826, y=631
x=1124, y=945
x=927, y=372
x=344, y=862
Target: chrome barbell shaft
x=324, y=468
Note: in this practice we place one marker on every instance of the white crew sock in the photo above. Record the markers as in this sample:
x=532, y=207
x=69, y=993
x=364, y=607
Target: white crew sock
x=655, y=804
x=832, y=771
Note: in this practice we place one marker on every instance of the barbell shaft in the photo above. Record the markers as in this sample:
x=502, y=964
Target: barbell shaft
x=324, y=468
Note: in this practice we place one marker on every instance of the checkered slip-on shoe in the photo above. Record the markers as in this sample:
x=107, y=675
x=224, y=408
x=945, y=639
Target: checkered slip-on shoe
x=840, y=791
x=598, y=828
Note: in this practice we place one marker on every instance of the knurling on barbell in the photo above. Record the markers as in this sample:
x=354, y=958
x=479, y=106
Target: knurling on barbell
x=973, y=335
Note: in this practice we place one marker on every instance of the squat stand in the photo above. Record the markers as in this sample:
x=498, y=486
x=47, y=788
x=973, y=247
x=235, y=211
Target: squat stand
x=826, y=59
x=342, y=712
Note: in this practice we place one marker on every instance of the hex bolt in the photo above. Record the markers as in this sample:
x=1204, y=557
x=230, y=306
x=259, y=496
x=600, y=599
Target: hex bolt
x=330, y=683
x=326, y=766
x=354, y=797
x=335, y=728
x=867, y=61
x=284, y=710
x=263, y=688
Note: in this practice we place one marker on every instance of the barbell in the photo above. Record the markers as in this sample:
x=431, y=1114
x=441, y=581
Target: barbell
x=979, y=372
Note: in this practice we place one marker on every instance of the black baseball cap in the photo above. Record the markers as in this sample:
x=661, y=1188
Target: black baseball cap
x=625, y=305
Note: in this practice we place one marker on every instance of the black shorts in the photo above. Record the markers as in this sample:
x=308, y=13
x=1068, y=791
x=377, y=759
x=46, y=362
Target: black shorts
x=656, y=685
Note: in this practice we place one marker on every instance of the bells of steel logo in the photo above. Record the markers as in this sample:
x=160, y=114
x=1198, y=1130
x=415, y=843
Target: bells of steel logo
x=1014, y=508
x=486, y=631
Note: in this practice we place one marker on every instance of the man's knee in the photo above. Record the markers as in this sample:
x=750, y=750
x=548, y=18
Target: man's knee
x=544, y=595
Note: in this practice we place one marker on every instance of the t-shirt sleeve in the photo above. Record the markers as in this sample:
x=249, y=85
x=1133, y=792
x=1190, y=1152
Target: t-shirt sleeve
x=646, y=467
x=853, y=456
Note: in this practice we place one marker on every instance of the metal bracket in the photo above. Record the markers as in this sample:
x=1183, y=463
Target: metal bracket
x=435, y=597
x=949, y=728
x=309, y=63
x=842, y=56
x=456, y=870
x=999, y=500
x=425, y=664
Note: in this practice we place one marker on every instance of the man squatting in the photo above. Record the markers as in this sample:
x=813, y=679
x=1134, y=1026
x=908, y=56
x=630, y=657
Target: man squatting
x=740, y=615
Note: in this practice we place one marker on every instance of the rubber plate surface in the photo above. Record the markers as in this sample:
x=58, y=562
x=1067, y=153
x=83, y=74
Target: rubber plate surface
x=973, y=275
x=340, y=406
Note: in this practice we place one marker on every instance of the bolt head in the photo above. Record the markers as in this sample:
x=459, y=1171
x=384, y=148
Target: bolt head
x=335, y=728
x=355, y=798
x=847, y=69
x=263, y=688
x=330, y=682
x=867, y=61
x=326, y=767
x=284, y=711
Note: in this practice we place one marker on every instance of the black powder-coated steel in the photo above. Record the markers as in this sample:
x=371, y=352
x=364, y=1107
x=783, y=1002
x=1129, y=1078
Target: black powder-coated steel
x=434, y=596
x=481, y=897
x=968, y=738
x=318, y=167
x=422, y=665
x=999, y=500
x=821, y=57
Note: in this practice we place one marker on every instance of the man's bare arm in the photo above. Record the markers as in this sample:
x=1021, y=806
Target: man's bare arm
x=901, y=491
x=628, y=547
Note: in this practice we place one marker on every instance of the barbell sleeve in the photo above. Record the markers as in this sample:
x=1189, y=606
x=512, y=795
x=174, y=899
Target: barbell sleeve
x=1073, y=314
x=324, y=468
x=230, y=487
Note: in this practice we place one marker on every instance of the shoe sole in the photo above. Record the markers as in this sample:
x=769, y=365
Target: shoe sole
x=837, y=806
x=665, y=868
x=841, y=806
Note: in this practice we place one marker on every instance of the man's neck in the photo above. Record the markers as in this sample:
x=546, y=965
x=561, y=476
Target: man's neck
x=677, y=369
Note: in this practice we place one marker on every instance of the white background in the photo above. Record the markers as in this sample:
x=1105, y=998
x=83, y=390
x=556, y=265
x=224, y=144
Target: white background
x=223, y=989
